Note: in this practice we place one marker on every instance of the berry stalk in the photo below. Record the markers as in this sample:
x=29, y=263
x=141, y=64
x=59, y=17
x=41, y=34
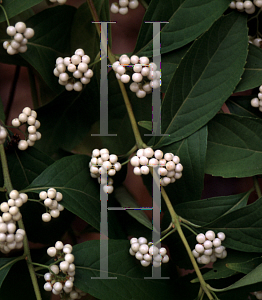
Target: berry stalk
x=27, y=255
x=175, y=220
x=6, y=17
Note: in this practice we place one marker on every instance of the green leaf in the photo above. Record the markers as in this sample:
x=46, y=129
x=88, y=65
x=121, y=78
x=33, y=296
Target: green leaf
x=23, y=289
x=70, y=112
x=245, y=267
x=84, y=34
x=71, y=176
x=192, y=154
x=241, y=106
x=204, y=211
x=5, y=266
x=234, y=146
x=186, y=22
x=242, y=227
x=146, y=124
x=126, y=200
x=14, y=7
x=254, y=276
x=48, y=43
x=252, y=76
x=130, y=282
x=169, y=64
x=204, y=79
x=25, y=166
x=221, y=266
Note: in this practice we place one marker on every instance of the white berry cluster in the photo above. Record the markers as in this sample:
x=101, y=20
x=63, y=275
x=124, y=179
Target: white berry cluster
x=10, y=237
x=60, y=279
x=169, y=164
x=246, y=6
x=61, y=2
x=3, y=134
x=148, y=253
x=19, y=36
x=73, y=71
x=101, y=163
x=28, y=116
x=255, y=41
x=258, y=294
x=257, y=101
x=123, y=5
x=144, y=75
x=209, y=247
x=51, y=198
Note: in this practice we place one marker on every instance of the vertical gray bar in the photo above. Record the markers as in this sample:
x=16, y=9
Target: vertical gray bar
x=103, y=82
x=156, y=219
x=156, y=94
x=103, y=233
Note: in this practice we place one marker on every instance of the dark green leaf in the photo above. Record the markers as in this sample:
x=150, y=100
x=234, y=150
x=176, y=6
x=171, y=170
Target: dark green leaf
x=234, y=146
x=207, y=210
x=71, y=176
x=5, y=266
x=169, y=64
x=146, y=124
x=242, y=227
x=205, y=78
x=23, y=289
x=70, y=113
x=241, y=106
x=130, y=282
x=192, y=154
x=245, y=267
x=25, y=166
x=252, y=76
x=221, y=267
x=126, y=200
x=14, y=7
x=186, y=22
x=84, y=34
x=48, y=43
x=254, y=276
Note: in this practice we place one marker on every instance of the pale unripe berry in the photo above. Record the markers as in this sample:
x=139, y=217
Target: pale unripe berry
x=51, y=251
x=143, y=248
x=22, y=145
x=208, y=244
x=139, y=255
x=29, y=33
x=210, y=235
x=46, y=217
x=153, y=250
x=48, y=287
x=133, y=240
x=54, y=269
x=133, y=4
x=135, y=247
x=140, y=93
x=114, y=8
x=123, y=10
x=221, y=236
x=199, y=248
x=217, y=242
x=64, y=265
x=10, y=30
x=69, y=258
